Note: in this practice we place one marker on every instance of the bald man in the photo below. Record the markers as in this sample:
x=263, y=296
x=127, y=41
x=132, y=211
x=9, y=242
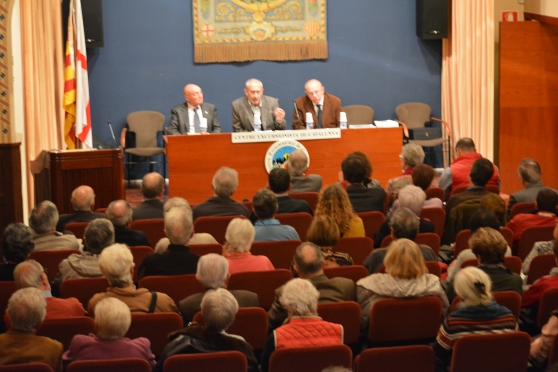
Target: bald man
x=152, y=189
x=83, y=202
x=325, y=108
x=119, y=213
x=187, y=117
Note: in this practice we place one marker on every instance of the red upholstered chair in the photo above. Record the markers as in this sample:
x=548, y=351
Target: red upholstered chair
x=461, y=241
x=513, y=263
x=507, y=233
x=470, y=262
x=64, y=329
x=540, y=266
x=436, y=192
x=201, y=249
x=139, y=253
x=372, y=222
x=532, y=235
x=264, y=283
x=437, y=216
x=508, y=352
x=76, y=228
x=509, y=299
x=250, y=323
x=522, y=207
x=310, y=359
x=358, y=248
x=50, y=260
x=155, y=327
x=27, y=367
x=417, y=358
x=110, y=365
x=101, y=210
x=178, y=287
x=549, y=303
x=215, y=226
x=301, y=222
x=83, y=288
x=280, y=253
x=353, y=272
x=310, y=197
x=230, y=361
x=248, y=205
x=346, y=313
x=153, y=228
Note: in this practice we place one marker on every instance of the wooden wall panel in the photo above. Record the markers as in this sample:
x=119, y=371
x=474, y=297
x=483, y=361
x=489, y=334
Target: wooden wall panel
x=11, y=207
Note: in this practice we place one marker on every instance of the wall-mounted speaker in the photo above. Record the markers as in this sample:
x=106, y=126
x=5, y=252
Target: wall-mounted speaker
x=432, y=19
x=92, y=12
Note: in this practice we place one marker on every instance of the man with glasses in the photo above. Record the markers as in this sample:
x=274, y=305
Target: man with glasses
x=325, y=108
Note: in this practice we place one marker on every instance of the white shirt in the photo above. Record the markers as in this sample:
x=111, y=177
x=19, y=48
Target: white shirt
x=316, y=105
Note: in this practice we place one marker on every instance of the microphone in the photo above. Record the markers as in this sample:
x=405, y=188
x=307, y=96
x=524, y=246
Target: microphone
x=112, y=133
x=296, y=111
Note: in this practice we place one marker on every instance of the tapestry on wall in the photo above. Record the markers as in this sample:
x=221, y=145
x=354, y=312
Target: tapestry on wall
x=250, y=30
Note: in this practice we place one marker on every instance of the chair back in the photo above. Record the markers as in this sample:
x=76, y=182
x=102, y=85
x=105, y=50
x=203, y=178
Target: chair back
x=532, y=235
x=280, y=253
x=301, y=222
x=437, y=216
x=146, y=125
x=358, y=248
x=6, y=291
x=178, y=287
x=549, y=303
x=372, y=222
x=250, y=323
x=110, y=365
x=310, y=359
x=216, y=226
x=416, y=358
x=310, y=197
x=248, y=205
x=154, y=228
x=27, y=367
x=155, y=327
x=470, y=262
x=50, y=260
x=461, y=241
x=493, y=189
x=507, y=233
x=353, y=272
x=346, y=313
x=513, y=263
x=431, y=240
x=359, y=114
x=76, y=228
x=510, y=299
x=101, y=210
x=522, y=207
x=414, y=114
x=202, y=249
x=230, y=361
x=64, y=329
x=508, y=352
x=139, y=252
x=83, y=288
x=264, y=283
x=402, y=321
x=435, y=192
x=540, y=266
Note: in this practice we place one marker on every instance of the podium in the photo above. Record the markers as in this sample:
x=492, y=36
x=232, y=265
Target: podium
x=58, y=173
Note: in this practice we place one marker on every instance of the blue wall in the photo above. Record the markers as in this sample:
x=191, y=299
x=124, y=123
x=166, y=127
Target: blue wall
x=375, y=59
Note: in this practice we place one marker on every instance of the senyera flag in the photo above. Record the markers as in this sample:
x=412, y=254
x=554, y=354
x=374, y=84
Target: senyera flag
x=77, y=124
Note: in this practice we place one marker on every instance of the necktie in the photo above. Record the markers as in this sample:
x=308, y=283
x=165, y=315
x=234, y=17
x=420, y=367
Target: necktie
x=319, y=116
x=197, y=120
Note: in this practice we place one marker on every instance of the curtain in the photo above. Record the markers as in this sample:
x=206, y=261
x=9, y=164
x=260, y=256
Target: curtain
x=468, y=73
x=43, y=82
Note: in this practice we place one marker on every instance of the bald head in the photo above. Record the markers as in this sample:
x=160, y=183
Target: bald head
x=308, y=260
x=297, y=163
x=314, y=90
x=83, y=198
x=119, y=212
x=152, y=186
x=193, y=94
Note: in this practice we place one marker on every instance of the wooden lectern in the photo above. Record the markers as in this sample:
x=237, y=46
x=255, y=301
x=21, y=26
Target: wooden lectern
x=58, y=173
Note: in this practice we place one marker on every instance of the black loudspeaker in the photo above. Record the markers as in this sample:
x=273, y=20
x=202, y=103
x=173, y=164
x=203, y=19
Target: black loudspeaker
x=92, y=12
x=432, y=19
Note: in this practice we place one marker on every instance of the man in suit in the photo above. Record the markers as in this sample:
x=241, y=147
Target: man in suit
x=213, y=273
x=187, y=117
x=42, y=221
x=297, y=165
x=119, y=213
x=308, y=263
x=325, y=108
x=255, y=104
x=83, y=202
x=152, y=188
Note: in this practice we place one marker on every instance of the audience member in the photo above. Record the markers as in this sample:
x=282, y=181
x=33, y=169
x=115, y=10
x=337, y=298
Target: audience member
x=422, y=176
x=369, y=182
x=335, y=202
x=30, y=274
x=533, y=295
x=187, y=117
x=120, y=213
x=213, y=273
x=83, y=202
x=406, y=276
x=324, y=233
x=279, y=182
x=43, y=220
x=152, y=189
x=495, y=204
x=403, y=223
x=303, y=328
x=16, y=246
x=239, y=238
x=540, y=248
x=20, y=345
x=225, y=182
x=117, y=265
x=268, y=228
x=363, y=199
x=478, y=314
x=177, y=259
x=113, y=319
x=411, y=155
x=219, y=308
x=297, y=165
x=457, y=174
x=308, y=264
x=325, y=108
x=541, y=345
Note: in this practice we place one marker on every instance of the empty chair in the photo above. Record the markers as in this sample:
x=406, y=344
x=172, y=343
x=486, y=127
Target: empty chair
x=50, y=260
x=177, y=287
x=263, y=283
x=358, y=248
x=359, y=114
x=310, y=197
x=215, y=226
x=201, y=249
x=417, y=358
x=27, y=367
x=522, y=207
x=154, y=229
x=280, y=253
x=155, y=327
x=83, y=288
x=300, y=221
x=230, y=361
x=353, y=272
x=540, y=266
x=76, y=228
x=139, y=253
x=437, y=216
x=64, y=329
x=532, y=235
x=346, y=313
x=310, y=359
x=372, y=222
x=112, y=365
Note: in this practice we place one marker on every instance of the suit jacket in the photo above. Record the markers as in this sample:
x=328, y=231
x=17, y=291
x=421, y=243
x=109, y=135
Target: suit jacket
x=132, y=238
x=148, y=209
x=78, y=216
x=528, y=194
x=218, y=206
x=190, y=305
x=364, y=199
x=243, y=117
x=176, y=260
x=180, y=120
x=18, y=347
x=310, y=183
x=330, y=112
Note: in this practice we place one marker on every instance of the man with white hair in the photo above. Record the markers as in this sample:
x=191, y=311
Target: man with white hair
x=213, y=273
x=324, y=107
x=83, y=202
x=177, y=259
x=297, y=165
x=119, y=212
x=225, y=182
x=20, y=345
x=43, y=220
x=152, y=189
